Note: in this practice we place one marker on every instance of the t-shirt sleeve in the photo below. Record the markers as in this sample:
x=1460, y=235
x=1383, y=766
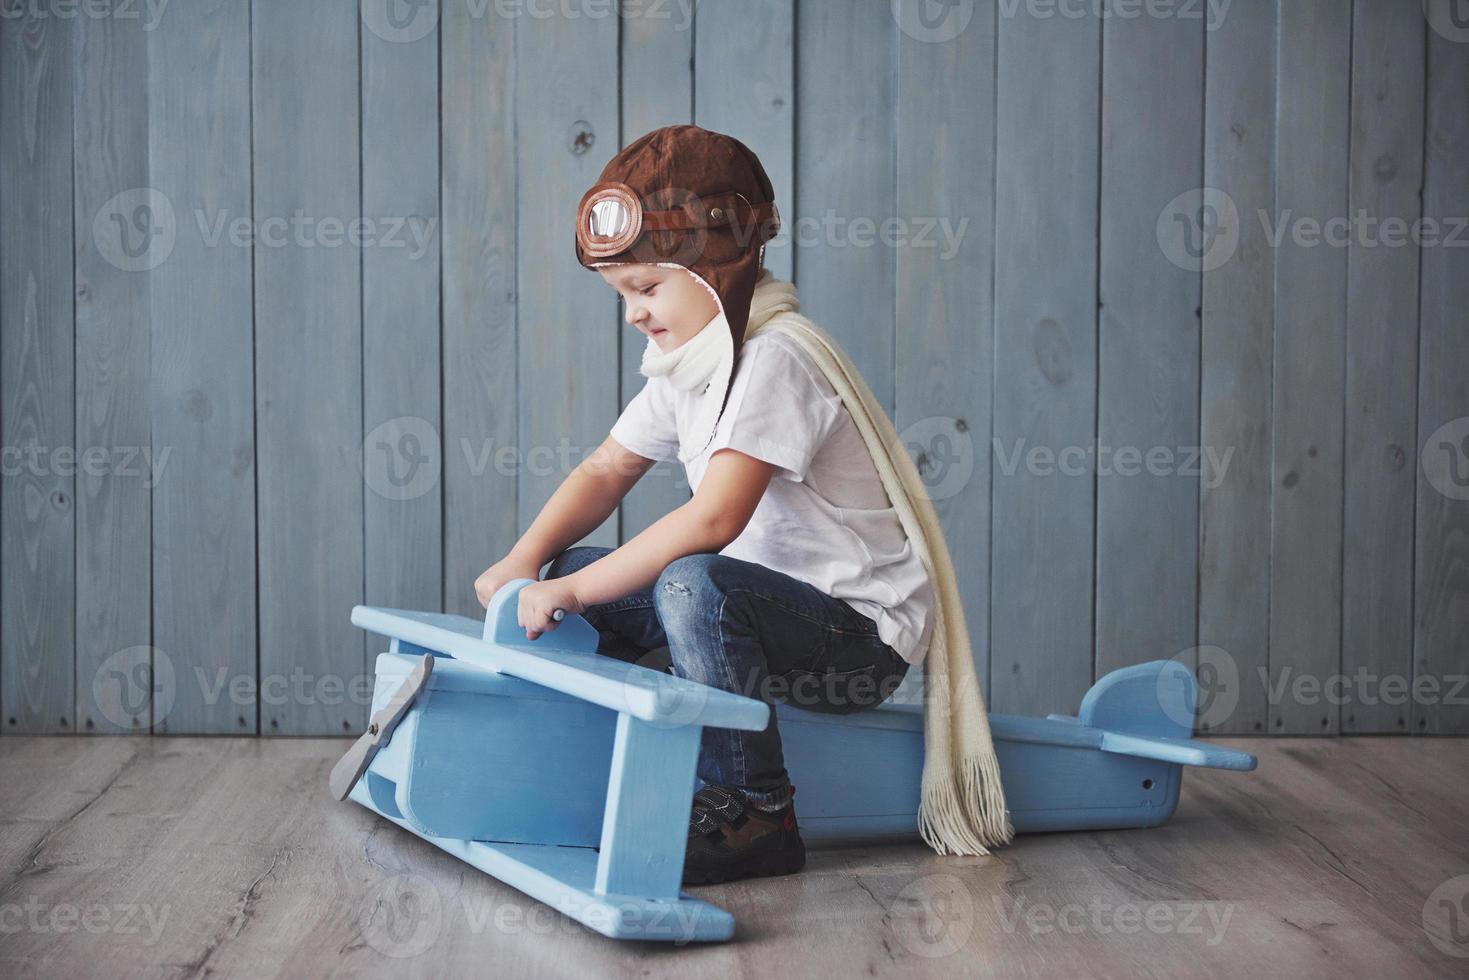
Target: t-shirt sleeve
x=780, y=409
x=648, y=426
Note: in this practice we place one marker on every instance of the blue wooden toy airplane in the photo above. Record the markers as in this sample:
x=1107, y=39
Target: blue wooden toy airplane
x=569, y=774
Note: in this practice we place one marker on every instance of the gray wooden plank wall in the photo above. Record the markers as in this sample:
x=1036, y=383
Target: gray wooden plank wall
x=1043, y=516
x=205, y=532
x=291, y=321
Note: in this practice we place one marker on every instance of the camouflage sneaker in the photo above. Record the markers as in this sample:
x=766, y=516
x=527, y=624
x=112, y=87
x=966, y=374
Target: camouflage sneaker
x=730, y=839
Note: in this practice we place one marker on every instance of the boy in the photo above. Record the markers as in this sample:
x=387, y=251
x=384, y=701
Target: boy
x=787, y=575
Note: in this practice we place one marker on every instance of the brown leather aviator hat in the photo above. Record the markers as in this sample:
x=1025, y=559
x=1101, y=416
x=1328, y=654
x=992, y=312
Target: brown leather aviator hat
x=684, y=196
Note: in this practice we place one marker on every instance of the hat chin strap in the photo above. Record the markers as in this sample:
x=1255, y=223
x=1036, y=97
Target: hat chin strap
x=692, y=363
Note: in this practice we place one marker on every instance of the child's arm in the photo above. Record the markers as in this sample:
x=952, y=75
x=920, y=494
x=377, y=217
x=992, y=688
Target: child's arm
x=584, y=500
x=712, y=518
x=579, y=506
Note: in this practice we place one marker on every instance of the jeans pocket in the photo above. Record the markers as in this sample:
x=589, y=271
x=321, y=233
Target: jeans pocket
x=833, y=691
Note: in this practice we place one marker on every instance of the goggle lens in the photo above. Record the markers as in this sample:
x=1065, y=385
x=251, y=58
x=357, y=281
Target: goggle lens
x=607, y=218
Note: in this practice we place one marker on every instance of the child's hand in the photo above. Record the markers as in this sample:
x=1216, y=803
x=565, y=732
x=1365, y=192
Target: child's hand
x=510, y=567
x=539, y=602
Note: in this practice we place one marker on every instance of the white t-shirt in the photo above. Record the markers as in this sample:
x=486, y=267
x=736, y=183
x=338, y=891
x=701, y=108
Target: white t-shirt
x=825, y=518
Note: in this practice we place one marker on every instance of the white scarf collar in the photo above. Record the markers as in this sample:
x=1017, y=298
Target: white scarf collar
x=692, y=363
x=704, y=363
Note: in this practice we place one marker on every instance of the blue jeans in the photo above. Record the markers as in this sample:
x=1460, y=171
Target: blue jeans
x=741, y=627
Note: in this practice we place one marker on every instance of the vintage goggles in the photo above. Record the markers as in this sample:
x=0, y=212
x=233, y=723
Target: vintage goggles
x=611, y=218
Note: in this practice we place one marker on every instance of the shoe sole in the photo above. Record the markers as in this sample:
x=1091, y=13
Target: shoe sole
x=761, y=866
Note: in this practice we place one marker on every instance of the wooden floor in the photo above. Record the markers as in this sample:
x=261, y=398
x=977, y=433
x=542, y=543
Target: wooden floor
x=221, y=856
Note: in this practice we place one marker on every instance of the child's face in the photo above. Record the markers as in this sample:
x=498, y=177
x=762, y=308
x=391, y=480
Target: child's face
x=669, y=305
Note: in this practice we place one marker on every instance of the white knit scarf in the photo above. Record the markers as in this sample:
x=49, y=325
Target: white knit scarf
x=691, y=363
x=962, y=807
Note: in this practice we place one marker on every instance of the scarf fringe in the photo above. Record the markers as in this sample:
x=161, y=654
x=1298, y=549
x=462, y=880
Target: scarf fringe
x=950, y=825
